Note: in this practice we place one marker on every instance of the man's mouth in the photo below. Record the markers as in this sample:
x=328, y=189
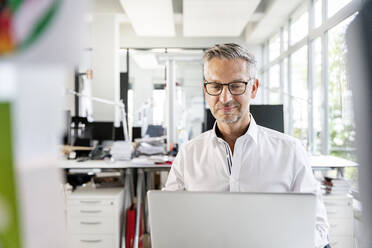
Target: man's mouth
x=227, y=108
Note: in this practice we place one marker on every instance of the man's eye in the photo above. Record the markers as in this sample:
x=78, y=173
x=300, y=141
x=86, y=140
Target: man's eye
x=236, y=86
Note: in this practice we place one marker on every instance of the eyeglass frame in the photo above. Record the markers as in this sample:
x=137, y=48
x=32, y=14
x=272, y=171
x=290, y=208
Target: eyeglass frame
x=228, y=86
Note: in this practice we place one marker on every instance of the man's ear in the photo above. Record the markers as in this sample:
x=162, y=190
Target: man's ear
x=204, y=89
x=254, y=88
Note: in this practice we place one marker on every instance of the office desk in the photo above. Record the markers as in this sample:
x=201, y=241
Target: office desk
x=141, y=166
x=316, y=162
x=323, y=162
x=108, y=164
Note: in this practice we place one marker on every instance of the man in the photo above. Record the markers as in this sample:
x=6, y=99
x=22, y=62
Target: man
x=238, y=155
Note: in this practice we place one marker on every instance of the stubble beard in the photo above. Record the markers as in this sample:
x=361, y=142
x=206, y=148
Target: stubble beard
x=227, y=118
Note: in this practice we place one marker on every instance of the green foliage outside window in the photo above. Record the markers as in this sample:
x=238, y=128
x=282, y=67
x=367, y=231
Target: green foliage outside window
x=341, y=124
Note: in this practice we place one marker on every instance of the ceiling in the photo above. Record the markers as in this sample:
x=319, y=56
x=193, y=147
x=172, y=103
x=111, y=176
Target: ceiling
x=255, y=20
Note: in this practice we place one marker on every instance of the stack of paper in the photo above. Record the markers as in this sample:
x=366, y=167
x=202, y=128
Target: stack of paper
x=149, y=149
x=121, y=150
x=340, y=187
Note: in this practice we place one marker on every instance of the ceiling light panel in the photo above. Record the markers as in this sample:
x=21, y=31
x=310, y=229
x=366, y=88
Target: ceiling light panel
x=145, y=60
x=150, y=17
x=217, y=18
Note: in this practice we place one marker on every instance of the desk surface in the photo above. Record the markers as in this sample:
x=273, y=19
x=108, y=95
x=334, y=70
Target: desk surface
x=107, y=164
x=330, y=162
x=316, y=162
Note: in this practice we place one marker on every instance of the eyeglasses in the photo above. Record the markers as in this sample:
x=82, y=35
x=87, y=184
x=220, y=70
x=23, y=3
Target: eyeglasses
x=235, y=88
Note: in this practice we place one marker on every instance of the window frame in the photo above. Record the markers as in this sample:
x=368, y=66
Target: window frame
x=313, y=33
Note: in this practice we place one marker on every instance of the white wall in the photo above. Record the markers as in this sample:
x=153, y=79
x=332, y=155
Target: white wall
x=105, y=64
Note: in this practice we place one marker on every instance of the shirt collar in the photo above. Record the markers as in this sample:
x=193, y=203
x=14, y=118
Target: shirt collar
x=251, y=132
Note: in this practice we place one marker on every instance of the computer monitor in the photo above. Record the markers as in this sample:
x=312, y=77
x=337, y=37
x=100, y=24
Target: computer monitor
x=136, y=133
x=224, y=219
x=119, y=133
x=102, y=130
x=270, y=116
x=66, y=139
x=155, y=130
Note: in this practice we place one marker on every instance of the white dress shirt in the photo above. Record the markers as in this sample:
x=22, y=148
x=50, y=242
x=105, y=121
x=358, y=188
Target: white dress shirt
x=264, y=160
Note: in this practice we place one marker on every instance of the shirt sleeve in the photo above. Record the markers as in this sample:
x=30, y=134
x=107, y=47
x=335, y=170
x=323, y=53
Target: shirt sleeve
x=305, y=182
x=175, y=181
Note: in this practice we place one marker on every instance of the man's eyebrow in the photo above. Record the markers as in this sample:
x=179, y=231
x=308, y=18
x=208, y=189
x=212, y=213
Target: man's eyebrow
x=233, y=81
x=237, y=80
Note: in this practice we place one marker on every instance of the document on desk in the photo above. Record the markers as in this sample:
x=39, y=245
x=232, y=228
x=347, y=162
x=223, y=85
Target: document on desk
x=151, y=160
x=144, y=161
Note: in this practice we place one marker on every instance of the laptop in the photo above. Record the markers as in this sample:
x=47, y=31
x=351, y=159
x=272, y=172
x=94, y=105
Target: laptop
x=225, y=219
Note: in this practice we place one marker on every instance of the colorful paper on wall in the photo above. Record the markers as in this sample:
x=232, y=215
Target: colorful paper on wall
x=9, y=220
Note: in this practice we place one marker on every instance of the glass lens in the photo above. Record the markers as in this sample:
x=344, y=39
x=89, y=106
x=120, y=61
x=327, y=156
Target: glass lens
x=214, y=88
x=237, y=88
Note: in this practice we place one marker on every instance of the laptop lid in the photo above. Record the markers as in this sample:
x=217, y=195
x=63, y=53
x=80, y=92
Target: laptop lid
x=224, y=219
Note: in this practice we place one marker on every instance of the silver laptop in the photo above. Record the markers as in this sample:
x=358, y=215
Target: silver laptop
x=223, y=219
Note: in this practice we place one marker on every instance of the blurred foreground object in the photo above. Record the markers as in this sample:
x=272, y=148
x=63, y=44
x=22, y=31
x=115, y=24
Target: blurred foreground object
x=42, y=31
x=40, y=42
x=24, y=22
x=9, y=218
x=359, y=65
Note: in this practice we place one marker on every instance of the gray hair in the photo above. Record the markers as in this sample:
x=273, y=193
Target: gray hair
x=230, y=51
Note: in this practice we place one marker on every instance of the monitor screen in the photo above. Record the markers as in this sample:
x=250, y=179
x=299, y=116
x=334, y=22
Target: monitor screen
x=118, y=133
x=136, y=133
x=102, y=130
x=270, y=116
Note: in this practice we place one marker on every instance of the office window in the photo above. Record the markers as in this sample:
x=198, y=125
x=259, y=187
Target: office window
x=274, y=47
x=317, y=13
x=262, y=89
x=130, y=113
x=259, y=99
x=300, y=94
x=335, y=5
x=285, y=38
x=158, y=96
x=341, y=124
x=299, y=27
x=286, y=97
x=274, y=85
x=318, y=97
x=335, y=134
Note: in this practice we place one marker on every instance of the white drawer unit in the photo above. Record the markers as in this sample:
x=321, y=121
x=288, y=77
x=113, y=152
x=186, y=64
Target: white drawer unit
x=94, y=217
x=91, y=211
x=340, y=218
x=93, y=241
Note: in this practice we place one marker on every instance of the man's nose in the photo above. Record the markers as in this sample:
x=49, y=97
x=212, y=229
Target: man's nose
x=225, y=95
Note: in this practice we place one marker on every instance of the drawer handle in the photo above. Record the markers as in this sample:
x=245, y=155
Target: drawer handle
x=333, y=225
x=90, y=211
x=90, y=202
x=91, y=241
x=90, y=223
